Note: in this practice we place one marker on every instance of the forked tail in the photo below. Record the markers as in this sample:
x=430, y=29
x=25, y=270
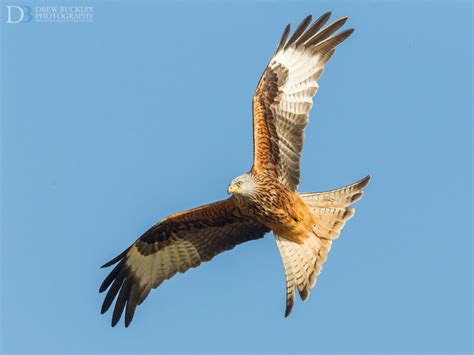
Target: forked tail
x=303, y=262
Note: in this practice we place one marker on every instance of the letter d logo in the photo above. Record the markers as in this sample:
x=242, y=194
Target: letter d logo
x=18, y=14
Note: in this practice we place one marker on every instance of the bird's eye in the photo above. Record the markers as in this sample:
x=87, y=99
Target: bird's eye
x=239, y=183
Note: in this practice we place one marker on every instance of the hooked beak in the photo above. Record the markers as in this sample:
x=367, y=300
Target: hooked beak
x=231, y=189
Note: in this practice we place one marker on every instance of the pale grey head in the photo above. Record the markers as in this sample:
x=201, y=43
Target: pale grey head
x=242, y=186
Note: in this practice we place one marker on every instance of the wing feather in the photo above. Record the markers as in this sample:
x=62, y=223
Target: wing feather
x=299, y=30
x=284, y=96
x=314, y=28
x=176, y=244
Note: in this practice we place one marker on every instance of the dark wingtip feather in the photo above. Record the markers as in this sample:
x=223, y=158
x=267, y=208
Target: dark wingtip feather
x=328, y=31
x=314, y=28
x=111, y=276
x=284, y=36
x=131, y=304
x=124, y=290
x=329, y=44
x=324, y=17
x=349, y=31
x=121, y=301
x=299, y=30
x=116, y=259
x=114, y=289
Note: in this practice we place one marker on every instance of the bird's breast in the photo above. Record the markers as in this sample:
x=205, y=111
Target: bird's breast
x=284, y=213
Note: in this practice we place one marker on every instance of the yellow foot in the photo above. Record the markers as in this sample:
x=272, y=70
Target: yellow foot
x=297, y=218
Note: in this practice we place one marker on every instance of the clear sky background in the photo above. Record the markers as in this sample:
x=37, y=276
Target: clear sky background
x=109, y=126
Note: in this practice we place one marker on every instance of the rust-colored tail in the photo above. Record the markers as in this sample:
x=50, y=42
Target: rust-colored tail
x=304, y=262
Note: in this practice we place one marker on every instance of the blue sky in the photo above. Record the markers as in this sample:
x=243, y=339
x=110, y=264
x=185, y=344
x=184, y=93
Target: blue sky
x=109, y=126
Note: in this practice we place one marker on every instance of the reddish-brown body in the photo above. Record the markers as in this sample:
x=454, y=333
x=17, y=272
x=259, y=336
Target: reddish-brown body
x=277, y=207
x=297, y=222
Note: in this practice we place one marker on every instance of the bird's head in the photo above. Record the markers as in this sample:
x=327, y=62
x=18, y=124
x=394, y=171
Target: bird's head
x=243, y=185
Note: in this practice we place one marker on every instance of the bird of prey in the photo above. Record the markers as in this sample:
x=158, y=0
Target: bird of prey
x=262, y=200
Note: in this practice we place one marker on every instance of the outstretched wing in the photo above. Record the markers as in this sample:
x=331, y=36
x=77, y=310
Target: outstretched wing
x=284, y=95
x=177, y=243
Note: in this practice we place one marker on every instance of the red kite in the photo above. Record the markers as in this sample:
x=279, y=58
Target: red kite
x=262, y=200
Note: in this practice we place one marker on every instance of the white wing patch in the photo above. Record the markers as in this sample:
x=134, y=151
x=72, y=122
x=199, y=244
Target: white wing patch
x=300, y=62
x=151, y=270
